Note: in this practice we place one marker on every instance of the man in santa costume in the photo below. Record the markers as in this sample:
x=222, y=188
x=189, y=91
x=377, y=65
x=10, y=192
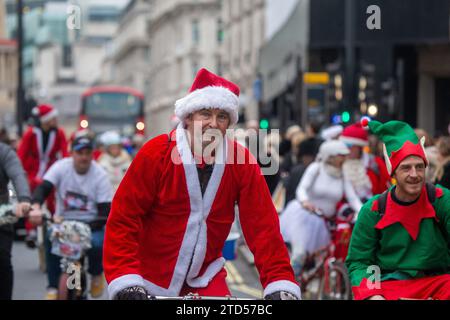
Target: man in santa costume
x=400, y=244
x=41, y=145
x=174, y=209
x=366, y=171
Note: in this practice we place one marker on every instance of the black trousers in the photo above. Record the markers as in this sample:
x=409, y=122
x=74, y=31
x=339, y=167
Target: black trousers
x=6, y=270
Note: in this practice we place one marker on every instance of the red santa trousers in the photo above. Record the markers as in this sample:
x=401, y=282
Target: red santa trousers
x=216, y=288
x=436, y=287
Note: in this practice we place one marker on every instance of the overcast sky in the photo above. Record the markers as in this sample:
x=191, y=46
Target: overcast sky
x=277, y=12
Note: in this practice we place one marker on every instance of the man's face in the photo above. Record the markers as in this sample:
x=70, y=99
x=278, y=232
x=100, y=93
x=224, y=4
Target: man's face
x=82, y=160
x=410, y=175
x=205, y=126
x=50, y=124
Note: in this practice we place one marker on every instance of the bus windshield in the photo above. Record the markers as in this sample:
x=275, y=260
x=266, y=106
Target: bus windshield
x=112, y=106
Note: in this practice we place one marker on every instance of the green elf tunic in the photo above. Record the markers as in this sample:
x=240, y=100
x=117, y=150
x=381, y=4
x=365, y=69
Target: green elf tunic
x=410, y=241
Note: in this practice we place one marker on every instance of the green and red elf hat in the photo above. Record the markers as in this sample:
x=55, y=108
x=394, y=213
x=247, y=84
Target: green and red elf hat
x=399, y=141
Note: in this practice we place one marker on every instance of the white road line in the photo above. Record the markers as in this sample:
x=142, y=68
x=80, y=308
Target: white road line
x=237, y=282
x=247, y=290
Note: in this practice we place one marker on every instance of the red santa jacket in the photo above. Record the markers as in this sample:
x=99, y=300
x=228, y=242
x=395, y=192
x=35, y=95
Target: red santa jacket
x=378, y=174
x=35, y=160
x=161, y=232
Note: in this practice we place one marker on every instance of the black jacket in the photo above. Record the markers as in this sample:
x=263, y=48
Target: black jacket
x=445, y=180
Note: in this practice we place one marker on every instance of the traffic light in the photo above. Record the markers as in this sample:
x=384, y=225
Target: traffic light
x=264, y=124
x=345, y=117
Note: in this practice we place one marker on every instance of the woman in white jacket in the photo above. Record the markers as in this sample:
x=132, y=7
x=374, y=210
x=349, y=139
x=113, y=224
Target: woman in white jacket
x=321, y=188
x=115, y=160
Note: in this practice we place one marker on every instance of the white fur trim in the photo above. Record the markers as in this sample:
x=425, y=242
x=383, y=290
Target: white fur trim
x=387, y=160
x=283, y=285
x=126, y=281
x=208, y=97
x=422, y=143
x=44, y=158
x=193, y=248
x=354, y=141
x=211, y=271
x=52, y=114
x=332, y=132
x=208, y=199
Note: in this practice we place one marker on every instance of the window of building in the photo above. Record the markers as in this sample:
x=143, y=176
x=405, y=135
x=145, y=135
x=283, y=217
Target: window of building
x=103, y=13
x=147, y=54
x=220, y=31
x=195, y=32
x=67, y=56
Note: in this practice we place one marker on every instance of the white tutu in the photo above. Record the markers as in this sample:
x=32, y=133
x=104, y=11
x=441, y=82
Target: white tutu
x=306, y=232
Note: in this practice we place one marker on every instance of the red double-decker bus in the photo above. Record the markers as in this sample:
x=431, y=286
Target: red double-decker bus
x=117, y=108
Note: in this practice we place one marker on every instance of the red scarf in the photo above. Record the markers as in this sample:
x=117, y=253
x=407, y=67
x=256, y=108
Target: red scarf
x=409, y=216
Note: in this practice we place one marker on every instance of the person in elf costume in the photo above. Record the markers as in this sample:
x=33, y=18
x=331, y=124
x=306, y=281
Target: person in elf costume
x=175, y=206
x=400, y=244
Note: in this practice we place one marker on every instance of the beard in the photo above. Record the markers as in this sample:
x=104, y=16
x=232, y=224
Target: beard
x=355, y=171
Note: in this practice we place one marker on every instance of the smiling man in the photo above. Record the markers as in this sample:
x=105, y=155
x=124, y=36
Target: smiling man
x=175, y=206
x=400, y=243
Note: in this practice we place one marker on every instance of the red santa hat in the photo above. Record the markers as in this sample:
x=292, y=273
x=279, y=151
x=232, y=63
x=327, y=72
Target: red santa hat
x=355, y=134
x=45, y=112
x=210, y=91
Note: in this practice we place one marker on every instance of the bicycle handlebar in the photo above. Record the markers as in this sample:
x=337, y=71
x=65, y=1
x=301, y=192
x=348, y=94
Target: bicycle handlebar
x=195, y=297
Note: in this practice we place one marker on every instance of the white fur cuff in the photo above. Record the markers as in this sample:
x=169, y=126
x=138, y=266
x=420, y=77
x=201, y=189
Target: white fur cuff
x=283, y=285
x=126, y=281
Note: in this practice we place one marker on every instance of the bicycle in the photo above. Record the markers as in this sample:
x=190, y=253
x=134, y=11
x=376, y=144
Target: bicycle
x=324, y=275
x=7, y=215
x=69, y=240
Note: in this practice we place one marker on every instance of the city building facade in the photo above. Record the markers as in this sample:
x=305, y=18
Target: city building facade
x=241, y=33
x=183, y=39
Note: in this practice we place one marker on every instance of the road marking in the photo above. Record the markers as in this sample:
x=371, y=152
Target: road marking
x=230, y=277
x=247, y=290
x=234, y=272
x=237, y=282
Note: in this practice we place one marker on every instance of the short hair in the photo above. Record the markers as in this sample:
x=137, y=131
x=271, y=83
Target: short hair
x=444, y=146
x=315, y=126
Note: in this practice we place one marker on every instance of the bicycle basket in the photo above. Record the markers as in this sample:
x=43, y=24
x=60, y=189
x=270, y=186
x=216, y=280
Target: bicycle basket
x=7, y=215
x=70, y=239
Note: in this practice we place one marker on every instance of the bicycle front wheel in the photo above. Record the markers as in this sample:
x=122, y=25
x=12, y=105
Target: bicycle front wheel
x=336, y=283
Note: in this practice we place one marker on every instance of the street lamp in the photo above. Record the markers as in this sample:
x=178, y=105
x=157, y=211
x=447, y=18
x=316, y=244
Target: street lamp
x=20, y=92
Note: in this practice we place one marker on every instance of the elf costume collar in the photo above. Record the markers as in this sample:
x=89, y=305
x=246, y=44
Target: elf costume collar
x=409, y=216
x=399, y=141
